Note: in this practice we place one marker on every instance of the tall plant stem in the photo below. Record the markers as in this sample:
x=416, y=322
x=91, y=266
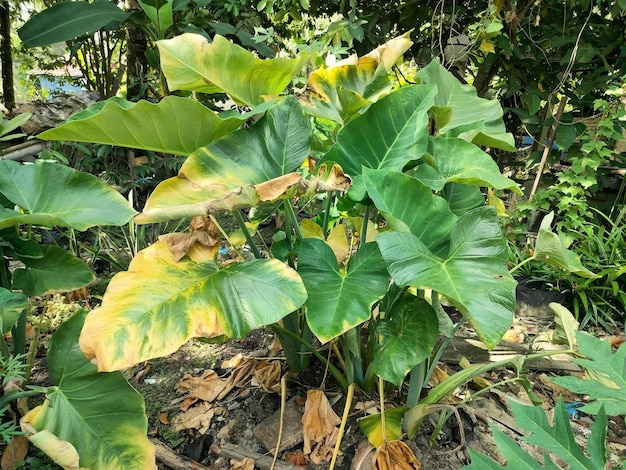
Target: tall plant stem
x=333, y=370
x=329, y=202
x=519, y=265
x=290, y=215
x=381, y=394
x=4, y=348
x=342, y=427
x=363, y=232
x=246, y=233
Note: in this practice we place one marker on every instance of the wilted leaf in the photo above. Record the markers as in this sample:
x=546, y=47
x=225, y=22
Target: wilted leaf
x=207, y=387
x=267, y=375
x=565, y=327
x=61, y=452
x=203, y=235
x=297, y=458
x=372, y=426
x=395, y=455
x=276, y=187
x=14, y=452
x=199, y=417
x=245, y=464
x=319, y=419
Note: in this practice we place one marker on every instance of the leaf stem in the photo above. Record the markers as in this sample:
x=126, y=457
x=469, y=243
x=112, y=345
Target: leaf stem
x=246, y=233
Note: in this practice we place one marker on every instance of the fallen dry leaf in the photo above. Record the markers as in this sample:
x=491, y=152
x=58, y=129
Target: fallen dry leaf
x=395, y=455
x=267, y=375
x=368, y=407
x=207, y=387
x=163, y=419
x=198, y=418
x=323, y=451
x=297, y=458
x=240, y=377
x=14, y=452
x=233, y=362
x=319, y=419
x=224, y=433
x=275, y=347
x=188, y=403
x=245, y=464
x=438, y=376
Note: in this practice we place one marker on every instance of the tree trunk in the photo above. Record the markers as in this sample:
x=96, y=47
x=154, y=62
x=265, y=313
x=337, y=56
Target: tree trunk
x=137, y=62
x=6, y=56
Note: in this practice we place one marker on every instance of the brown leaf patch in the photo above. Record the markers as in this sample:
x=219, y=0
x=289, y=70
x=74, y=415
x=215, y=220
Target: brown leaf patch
x=318, y=421
x=276, y=187
x=14, y=452
x=267, y=376
x=297, y=458
x=198, y=418
x=395, y=455
x=245, y=464
x=207, y=387
x=203, y=236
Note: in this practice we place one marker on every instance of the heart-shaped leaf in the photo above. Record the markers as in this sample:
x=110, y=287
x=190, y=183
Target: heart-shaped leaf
x=409, y=205
x=100, y=414
x=474, y=275
x=407, y=337
x=174, y=125
x=189, y=62
x=459, y=112
x=159, y=304
x=457, y=161
x=57, y=195
x=462, y=198
x=56, y=271
x=337, y=300
x=391, y=133
x=276, y=145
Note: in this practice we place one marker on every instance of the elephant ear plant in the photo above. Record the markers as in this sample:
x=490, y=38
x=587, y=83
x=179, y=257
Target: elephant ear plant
x=81, y=413
x=395, y=171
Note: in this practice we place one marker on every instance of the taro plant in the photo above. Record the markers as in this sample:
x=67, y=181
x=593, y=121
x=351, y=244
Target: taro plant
x=82, y=408
x=397, y=170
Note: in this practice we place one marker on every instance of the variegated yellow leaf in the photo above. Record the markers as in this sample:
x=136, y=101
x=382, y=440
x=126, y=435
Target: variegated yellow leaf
x=159, y=304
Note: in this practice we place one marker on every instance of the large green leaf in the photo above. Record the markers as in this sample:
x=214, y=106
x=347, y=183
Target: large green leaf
x=16, y=247
x=556, y=438
x=605, y=383
x=159, y=304
x=390, y=134
x=550, y=249
x=57, y=195
x=189, y=62
x=407, y=337
x=410, y=206
x=174, y=125
x=11, y=306
x=462, y=198
x=276, y=145
x=68, y=20
x=160, y=14
x=340, y=300
x=473, y=276
x=459, y=112
x=99, y=414
x=56, y=271
x=452, y=160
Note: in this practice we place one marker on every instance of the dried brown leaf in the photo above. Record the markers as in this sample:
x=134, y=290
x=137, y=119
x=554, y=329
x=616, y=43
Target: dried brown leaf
x=323, y=451
x=224, y=433
x=239, y=378
x=297, y=458
x=232, y=362
x=395, y=455
x=275, y=347
x=207, y=388
x=203, y=235
x=276, y=187
x=267, y=376
x=319, y=419
x=198, y=418
x=163, y=419
x=188, y=403
x=14, y=452
x=245, y=464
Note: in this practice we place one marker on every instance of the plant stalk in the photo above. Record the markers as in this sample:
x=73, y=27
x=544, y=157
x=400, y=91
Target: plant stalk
x=246, y=233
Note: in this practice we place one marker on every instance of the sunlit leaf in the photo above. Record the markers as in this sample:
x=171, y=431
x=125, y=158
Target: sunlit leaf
x=57, y=195
x=220, y=176
x=159, y=304
x=408, y=205
x=174, y=125
x=393, y=132
x=474, y=275
x=459, y=112
x=452, y=160
x=99, y=414
x=189, y=62
x=340, y=300
x=160, y=14
x=372, y=426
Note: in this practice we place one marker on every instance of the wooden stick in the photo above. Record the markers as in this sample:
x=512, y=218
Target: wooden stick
x=173, y=460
